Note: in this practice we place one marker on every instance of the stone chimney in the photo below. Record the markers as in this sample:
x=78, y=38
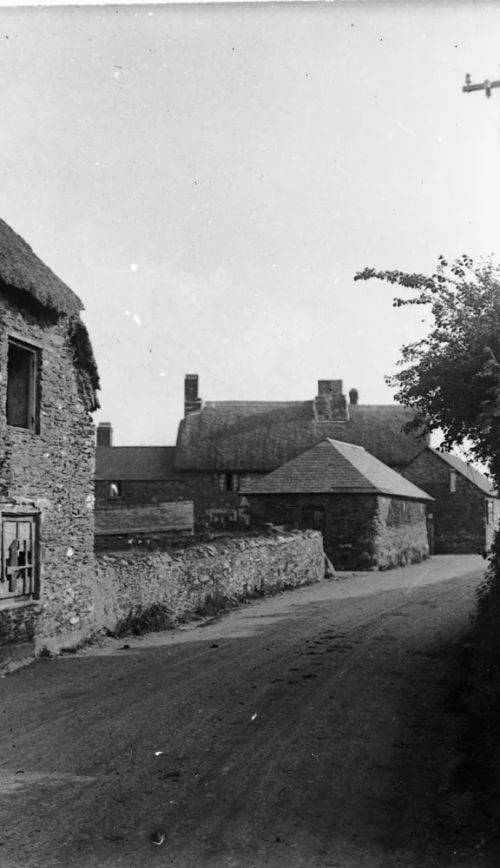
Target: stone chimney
x=104, y=434
x=192, y=402
x=353, y=397
x=330, y=404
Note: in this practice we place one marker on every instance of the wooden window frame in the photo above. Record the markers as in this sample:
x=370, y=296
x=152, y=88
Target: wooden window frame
x=19, y=582
x=32, y=420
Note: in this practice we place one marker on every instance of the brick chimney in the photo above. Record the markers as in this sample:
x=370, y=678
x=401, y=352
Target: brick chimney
x=192, y=403
x=353, y=397
x=104, y=434
x=330, y=404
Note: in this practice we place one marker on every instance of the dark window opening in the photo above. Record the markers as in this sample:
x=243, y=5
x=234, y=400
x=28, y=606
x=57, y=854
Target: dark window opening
x=22, y=386
x=229, y=482
x=313, y=517
x=18, y=577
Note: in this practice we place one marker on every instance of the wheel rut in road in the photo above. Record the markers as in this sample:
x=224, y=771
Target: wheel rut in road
x=318, y=738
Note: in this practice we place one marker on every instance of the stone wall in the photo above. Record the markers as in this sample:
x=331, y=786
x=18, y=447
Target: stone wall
x=460, y=517
x=212, y=507
x=49, y=474
x=360, y=531
x=400, y=533
x=130, y=584
x=137, y=491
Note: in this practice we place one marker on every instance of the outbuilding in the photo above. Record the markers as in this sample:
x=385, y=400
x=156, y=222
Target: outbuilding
x=369, y=515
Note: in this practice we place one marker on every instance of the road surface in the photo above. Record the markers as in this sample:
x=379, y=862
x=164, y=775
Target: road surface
x=311, y=729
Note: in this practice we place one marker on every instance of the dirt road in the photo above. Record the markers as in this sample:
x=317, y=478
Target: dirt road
x=311, y=729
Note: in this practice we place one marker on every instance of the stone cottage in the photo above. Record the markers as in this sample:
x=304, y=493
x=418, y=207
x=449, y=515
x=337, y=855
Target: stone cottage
x=133, y=474
x=47, y=394
x=466, y=510
x=369, y=515
x=138, y=494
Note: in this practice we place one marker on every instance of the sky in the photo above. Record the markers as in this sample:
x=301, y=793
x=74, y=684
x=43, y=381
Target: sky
x=209, y=178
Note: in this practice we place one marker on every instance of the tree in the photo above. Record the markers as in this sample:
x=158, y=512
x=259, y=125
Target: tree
x=451, y=378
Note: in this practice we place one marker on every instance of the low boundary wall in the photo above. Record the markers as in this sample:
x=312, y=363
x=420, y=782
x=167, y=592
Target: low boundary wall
x=205, y=577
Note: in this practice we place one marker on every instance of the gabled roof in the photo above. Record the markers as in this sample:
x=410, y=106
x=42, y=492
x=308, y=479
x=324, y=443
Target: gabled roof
x=140, y=463
x=260, y=436
x=21, y=269
x=334, y=467
x=467, y=470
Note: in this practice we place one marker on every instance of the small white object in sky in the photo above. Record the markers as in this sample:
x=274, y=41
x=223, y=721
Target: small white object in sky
x=158, y=752
x=133, y=266
x=127, y=313
x=406, y=129
x=162, y=374
x=253, y=716
x=136, y=319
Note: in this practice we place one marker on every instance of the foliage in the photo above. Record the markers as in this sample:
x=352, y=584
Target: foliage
x=451, y=378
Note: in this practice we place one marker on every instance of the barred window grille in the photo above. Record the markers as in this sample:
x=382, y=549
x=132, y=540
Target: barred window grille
x=18, y=576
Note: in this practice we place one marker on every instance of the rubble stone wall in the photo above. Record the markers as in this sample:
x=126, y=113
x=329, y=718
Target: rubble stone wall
x=49, y=475
x=130, y=583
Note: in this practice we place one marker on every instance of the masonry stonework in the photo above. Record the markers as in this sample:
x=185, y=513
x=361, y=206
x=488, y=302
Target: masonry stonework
x=49, y=475
x=129, y=584
x=359, y=531
x=462, y=522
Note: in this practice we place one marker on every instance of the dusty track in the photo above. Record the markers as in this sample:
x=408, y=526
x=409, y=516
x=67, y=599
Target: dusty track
x=311, y=730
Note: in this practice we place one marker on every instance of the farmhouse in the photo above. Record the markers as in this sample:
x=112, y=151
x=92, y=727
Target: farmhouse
x=47, y=394
x=222, y=445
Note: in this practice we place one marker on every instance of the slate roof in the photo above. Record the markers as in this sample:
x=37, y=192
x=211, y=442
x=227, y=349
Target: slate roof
x=470, y=473
x=335, y=467
x=139, y=463
x=259, y=436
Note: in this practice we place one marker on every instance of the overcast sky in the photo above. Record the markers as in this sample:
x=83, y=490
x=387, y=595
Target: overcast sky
x=208, y=179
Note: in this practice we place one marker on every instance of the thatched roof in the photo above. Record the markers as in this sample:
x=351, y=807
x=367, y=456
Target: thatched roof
x=22, y=272
x=140, y=463
x=21, y=269
x=334, y=467
x=259, y=436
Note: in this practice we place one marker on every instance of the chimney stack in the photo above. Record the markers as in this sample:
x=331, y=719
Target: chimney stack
x=330, y=404
x=104, y=434
x=353, y=397
x=192, y=403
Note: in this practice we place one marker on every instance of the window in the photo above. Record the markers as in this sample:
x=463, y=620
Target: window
x=22, y=386
x=18, y=579
x=115, y=489
x=228, y=482
x=490, y=511
x=314, y=518
x=453, y=481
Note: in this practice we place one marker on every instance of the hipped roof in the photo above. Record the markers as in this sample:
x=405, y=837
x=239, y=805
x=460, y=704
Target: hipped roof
x=335, y=467
x=260, y=436
x=139, y=463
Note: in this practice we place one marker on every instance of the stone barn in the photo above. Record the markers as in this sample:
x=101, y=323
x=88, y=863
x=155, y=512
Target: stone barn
x=466, y=510
x=47, y=394
x=369, y=515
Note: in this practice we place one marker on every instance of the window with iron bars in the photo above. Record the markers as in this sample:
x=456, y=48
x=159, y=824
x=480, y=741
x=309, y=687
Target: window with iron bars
x=18, y=578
